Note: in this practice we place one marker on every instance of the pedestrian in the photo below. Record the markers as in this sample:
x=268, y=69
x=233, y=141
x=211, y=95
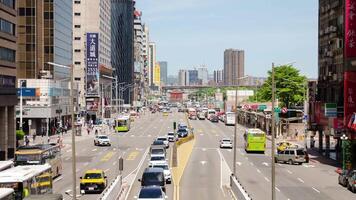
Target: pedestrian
x=88, y=129
x=34, y=137
x=27, y=141
x=58, y=139
x=296, y=133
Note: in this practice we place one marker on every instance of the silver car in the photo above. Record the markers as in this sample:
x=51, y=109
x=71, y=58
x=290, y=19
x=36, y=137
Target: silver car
x=291, y=156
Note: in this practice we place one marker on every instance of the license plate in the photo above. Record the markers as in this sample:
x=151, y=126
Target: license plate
x=90, y=188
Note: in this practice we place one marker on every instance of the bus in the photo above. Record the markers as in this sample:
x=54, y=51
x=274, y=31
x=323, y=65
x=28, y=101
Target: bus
x=230, y=118
x=40, y=154
x=6, y=165
x=28, y=180
x=7, y=194
x=210, y=113
x=255, y=140
x=122, y=124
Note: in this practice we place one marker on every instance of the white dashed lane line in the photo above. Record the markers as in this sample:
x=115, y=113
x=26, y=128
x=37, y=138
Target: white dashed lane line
x=316, y=190
x=301, y=180
x=266, y=179
x=289, y=171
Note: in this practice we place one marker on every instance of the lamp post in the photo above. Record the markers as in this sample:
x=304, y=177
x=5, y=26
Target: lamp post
x=235, y=128
x=344, y=138
x=273, y=135
x=74, y=179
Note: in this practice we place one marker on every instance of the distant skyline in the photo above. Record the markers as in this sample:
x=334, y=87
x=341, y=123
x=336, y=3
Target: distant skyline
x=190, y=33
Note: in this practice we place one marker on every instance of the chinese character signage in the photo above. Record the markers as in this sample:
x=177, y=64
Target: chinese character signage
x=92, y=64
x=350, y=28
x=349, y=95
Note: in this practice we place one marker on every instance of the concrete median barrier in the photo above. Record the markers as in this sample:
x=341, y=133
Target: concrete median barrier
x=238, y=191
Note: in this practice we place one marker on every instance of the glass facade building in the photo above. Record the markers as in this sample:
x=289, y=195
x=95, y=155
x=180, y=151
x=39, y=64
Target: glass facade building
x=122, y=35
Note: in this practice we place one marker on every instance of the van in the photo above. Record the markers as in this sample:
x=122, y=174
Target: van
x=291, y=156
x=153, y=176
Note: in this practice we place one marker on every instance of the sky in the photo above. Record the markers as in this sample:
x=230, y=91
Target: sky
x=190, y=33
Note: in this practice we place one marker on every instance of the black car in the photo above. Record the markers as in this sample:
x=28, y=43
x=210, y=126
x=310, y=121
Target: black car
x=153, y=176
x=151, y=192
x=214, y=118
x=182, y=133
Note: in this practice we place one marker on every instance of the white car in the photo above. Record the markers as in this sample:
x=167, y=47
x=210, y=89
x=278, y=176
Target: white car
x=157, y=160
x=226, y=143
x=102, y=140
x=166, y=171
x=151, y=193
x=164, y=139
x=171, y=137
x=158, y=151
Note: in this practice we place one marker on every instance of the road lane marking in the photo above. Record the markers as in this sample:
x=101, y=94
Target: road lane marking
x=132, y=155
x=259, y=171
x=301, y=180
x=251, y=163
x=66, y=159
x=85, y=164
x=316, y=190
x=106, y=170
x=265, y=164
x=108, y=156
x=239, y=163
x=203, y=162
x=266, y=179
x=114, y=163
x=289, y=171
x=58, y=179
x=279, y=164
x=68, y=150
x=94, y=150
x=277, y=189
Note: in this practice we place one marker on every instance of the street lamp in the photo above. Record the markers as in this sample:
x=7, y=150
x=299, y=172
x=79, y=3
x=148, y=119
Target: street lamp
x=73, y=130
x=235, y=129
x=344, y=138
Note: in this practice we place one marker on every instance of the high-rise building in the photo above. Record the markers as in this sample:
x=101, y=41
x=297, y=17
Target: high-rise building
x=203, y=75
x=8, y=98
x=122, y=49
x=234, y=66
x=336, y=78
x=218, y=77
x=163, y=65
x=91, y=17
x=183, y=77
x=146, y=69
x=151, y=61
x=193, y=77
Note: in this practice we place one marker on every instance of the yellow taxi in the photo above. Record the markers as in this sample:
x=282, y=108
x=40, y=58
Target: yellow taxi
x=165, y=113
x=94, y=181
x=284, y=145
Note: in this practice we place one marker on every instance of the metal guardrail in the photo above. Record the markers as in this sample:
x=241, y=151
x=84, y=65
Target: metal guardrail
x=113, y=191
x=237, y=189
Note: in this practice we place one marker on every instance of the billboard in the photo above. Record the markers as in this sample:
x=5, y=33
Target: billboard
x=350, y=28
x=349, y=95
x=92, y=64
x=157, y=75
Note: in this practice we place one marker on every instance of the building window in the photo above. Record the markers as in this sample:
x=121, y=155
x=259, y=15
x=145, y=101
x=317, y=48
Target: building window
x=48, y=15
x=76, y=38
x=8, y=3
x=7, y=27
x=26, y=11
x=76, y=26
x=7, y=54
x=77, y=78
x=77, y=50
x=77, y=2
x=76, y=14
x=77, y=63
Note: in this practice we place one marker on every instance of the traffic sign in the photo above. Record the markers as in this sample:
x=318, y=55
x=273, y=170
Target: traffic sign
x=330, y=110
x=262, y=107
x=284, y=110
x=277, y=110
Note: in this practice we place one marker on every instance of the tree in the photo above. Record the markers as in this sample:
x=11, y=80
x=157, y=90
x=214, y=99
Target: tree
x=290, y=86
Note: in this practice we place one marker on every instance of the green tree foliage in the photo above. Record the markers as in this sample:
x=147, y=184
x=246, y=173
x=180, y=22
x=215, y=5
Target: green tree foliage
x=290, y=86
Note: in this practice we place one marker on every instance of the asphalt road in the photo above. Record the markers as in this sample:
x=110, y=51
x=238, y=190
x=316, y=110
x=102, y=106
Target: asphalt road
x=315, y=180
x=133, y=147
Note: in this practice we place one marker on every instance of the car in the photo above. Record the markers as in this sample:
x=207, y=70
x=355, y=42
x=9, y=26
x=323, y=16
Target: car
x=182, y=126
x=226, y=143
x=343, y=175
x=182, y=133
x=281, y=146
x=164, y=139
x=351, y=181
x=159, y=143
x=165, y=113
x=157, y=160
x=102, y=140
x=201, y=116
x=157, y=151
x=93, y=181
x=172, y=137
x=291, y=156
x=151, y=192
x=153, y=176
x=214, y=118
x=166, y=171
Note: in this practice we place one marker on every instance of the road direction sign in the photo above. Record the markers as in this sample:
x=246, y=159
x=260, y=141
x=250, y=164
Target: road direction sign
x=330, y=110
x=277, y=109
x=284, y=110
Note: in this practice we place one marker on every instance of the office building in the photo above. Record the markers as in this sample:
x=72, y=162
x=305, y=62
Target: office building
x=203, y=75
x=122, y=44
x=91, y=17
x=183, y=77
x=193, y=77
x=234, y=64
x=336, y=76
x=151, y=61
x=8, y=98
x=145, y=51
x=218, y=77
x=163, y=66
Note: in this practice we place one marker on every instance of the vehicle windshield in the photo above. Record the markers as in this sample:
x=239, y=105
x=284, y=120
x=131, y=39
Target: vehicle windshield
x=157, y=151
x=164, y=167
x=121, y=123
x=93, y=176
x=150, y=194
x=103, y=137
x=157, y=158
x=300, y=152
x=158, y=142
x=162, y=139
x=171, y=134
x=28, y=158
x=226, y=140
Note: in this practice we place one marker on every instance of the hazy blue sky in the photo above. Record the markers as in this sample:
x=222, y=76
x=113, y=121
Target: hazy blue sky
x=189, y=33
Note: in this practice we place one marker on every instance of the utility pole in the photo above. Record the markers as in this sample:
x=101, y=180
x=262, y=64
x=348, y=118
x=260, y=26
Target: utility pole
x=273, y=135
x=21, y=104
x=235, y=132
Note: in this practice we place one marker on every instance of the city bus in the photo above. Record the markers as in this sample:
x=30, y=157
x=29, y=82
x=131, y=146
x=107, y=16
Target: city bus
x=7, y=194
x=40, y=154
x=6, y=164
x=28, y=180
x=255, y=140
x=229, y=118
x=122, y=124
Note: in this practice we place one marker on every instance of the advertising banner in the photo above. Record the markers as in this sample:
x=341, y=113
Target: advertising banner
x=350, y=28
x=157, y=75
x=349, y=96
x=29, y=92
x=92, y=64
x=93, y=104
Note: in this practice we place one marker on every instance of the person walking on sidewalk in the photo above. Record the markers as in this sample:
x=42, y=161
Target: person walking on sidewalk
x=34, y=137
x=296, y=133
x=27, y=141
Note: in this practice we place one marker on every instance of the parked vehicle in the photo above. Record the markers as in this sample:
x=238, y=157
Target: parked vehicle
x=291, y=156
